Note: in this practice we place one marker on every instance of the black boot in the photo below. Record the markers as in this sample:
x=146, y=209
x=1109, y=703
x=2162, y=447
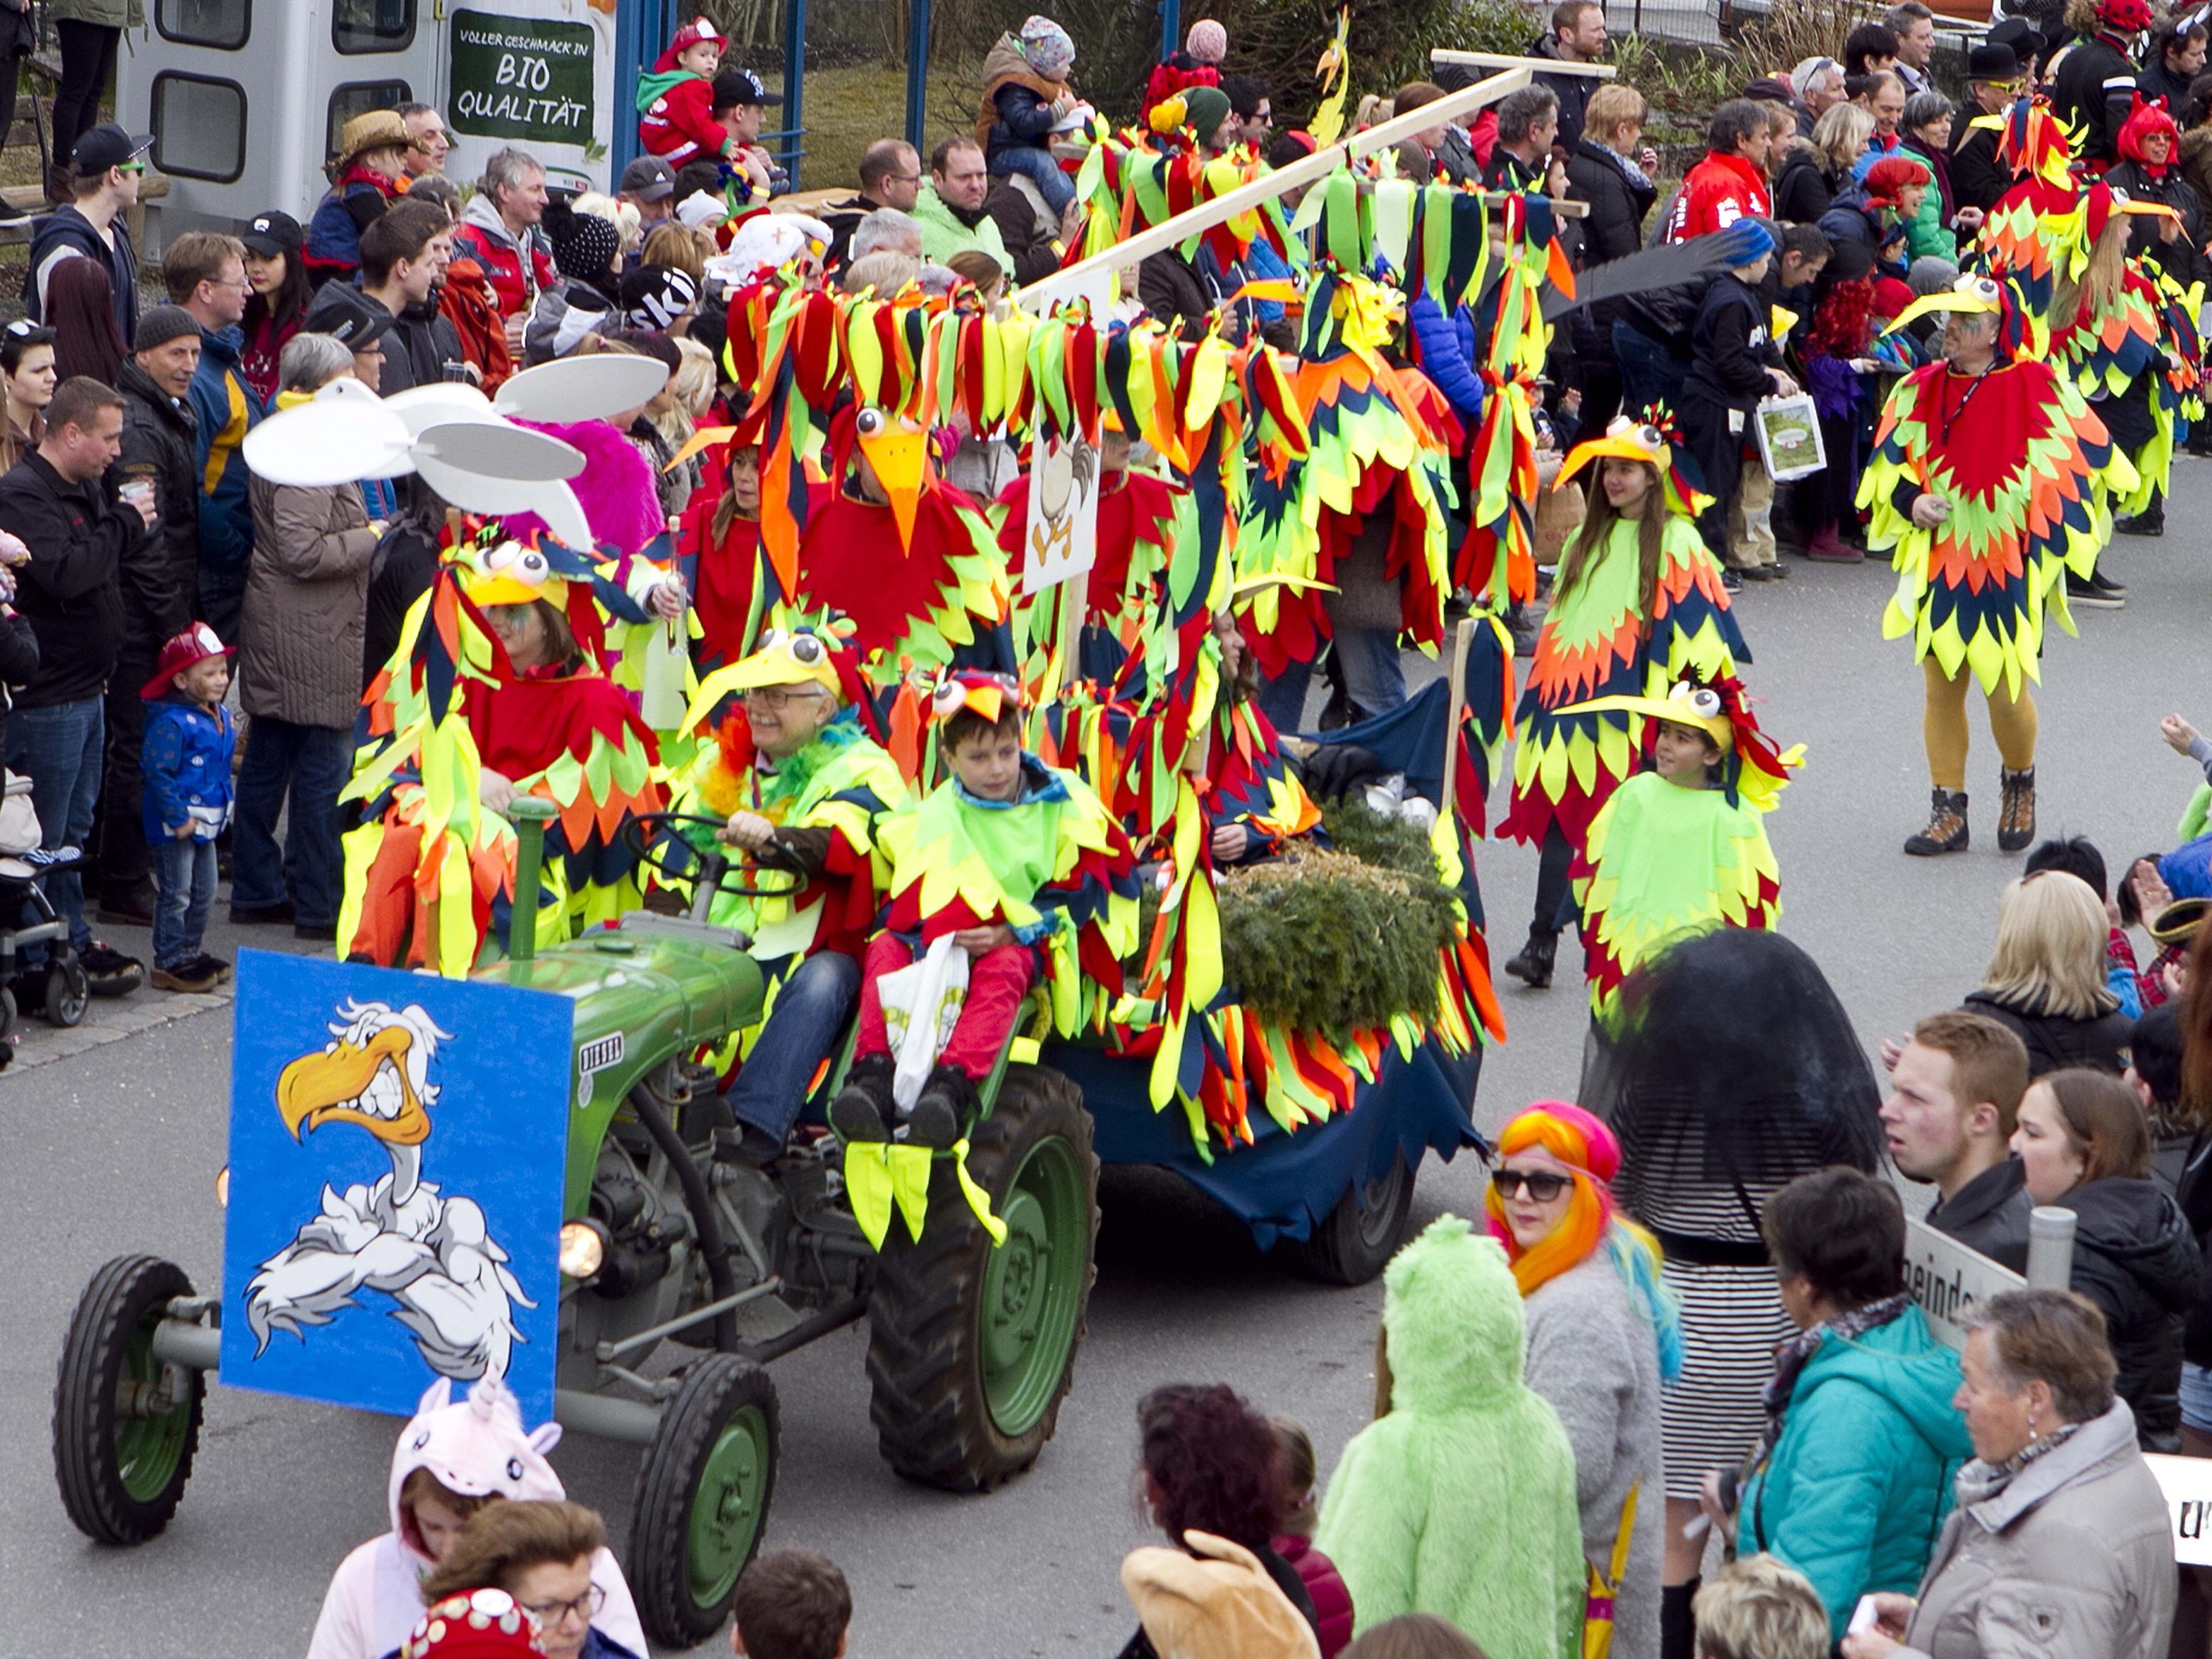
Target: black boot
x=2016, y=816
x=1678, y=1623
x=948, y=1101
x=1534, y=964
x=863, y=1109
x=1946, y=827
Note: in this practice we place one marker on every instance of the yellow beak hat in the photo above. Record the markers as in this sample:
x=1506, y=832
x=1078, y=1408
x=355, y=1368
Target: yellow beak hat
x=1651, y=439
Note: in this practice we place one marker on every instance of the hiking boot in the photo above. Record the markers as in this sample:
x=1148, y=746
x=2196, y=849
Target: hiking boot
x=948, y=1101
x=1947, y=826
x=863, y=1109
x=109, y=972
x=2016, y=815
x=1533, y=964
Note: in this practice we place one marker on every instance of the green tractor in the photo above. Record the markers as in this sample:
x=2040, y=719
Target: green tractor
x=670, y=1239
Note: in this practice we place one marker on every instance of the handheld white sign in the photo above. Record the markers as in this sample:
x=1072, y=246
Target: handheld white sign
x=1061, y=541
x=2187, y=1484
x=1947, y=1279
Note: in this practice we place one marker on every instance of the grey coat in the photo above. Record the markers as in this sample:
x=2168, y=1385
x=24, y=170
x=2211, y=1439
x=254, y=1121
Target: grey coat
x=306, y=605
x=2073, y=1560
x=1595, y=1359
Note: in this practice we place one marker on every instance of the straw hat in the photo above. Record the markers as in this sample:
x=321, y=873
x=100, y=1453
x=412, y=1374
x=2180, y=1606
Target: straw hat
x=379, y=128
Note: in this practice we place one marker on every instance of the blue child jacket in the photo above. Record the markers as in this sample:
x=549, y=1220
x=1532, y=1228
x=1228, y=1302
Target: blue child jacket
x=186, y=758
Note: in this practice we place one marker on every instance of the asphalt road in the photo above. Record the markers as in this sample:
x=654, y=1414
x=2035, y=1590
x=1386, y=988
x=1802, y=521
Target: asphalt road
x=117, y=1150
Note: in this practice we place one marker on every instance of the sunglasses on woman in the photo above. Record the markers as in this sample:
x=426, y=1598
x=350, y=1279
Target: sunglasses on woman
x=1541, y=1185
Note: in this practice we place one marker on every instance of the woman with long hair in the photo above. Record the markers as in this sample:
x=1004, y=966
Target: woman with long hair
x=2045, y=979
x=81, y=309
x=2108, y=334
x=27, y=380
x=1636, y=605
x=1604, y=1335
x=279, y=304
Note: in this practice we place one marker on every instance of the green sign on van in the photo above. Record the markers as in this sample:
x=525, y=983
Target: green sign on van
x=525, y=79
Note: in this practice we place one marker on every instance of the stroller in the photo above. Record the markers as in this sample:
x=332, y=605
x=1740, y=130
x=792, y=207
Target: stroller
x=31, y=920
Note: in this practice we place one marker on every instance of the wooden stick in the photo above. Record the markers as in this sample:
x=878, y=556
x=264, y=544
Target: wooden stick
x=1542, y=65
x=1462, y=642
x=1040, y=296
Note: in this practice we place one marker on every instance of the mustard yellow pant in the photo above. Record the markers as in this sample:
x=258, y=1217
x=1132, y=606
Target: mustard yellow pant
x=1943, y=725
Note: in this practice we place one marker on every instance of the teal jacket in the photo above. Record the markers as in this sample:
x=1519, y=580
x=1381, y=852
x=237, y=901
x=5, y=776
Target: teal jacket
x=1854, y=1491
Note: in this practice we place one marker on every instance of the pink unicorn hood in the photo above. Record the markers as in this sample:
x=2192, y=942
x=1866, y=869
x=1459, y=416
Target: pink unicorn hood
x=474, y=1447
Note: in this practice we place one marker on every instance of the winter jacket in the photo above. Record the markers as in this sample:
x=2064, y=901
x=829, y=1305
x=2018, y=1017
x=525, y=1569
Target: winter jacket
x=1851, y=218
x=1332, y=1602
x=66, y=232
x=1618, y=203
x=224, y=410
x=1456, y=156
x=19, y=661
x=1573, y=92
x=945, y=232
x=185, y=757
x=2136, y=1258
x=1016, y=111
x=468, y=301
x=1730, y=347
x=675, y=117
x=2093, y=90
x=1978, y=179
x=1412, y=1514
x=1854, y=1490
x=265, y=336
x=406, y=562
x=1179, y=292
x=306, y=605
x=71, y=590
x=1988, y=1215
x=1022, y=231
x=564, y=314
x=1596, y=1358
x=2072, y=1560
x=1443, y=348
x=1929, y=232
x=1507, y=171
x=108, y=14
x=2183, y=258
x=1665, y=316
x=476, y=1446
x=1716, y=193
x=160, y=581
x=348, y=207
x=2059, y=1040
x=1803, y=188
x=516, y=267
x=1178, y=74
x=421, y=341
x=2156, y=82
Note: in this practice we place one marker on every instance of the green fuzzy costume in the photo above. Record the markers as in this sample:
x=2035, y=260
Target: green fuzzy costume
x=1460, y=1501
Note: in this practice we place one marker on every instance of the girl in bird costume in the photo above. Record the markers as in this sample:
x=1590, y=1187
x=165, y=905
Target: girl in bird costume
x=1024, y=867
x=1989, y=479
x=720, y=537
x=496, y=693
x=797, y=773
x=1682, y=847
x=1638, y=605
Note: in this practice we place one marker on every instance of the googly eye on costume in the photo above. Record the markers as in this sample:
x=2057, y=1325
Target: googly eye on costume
x=868, y=422
x=773, y=638
x=1649, y=437
x=1706, y=701
x=948, y=698
x=514, y=1469
x=806, y=649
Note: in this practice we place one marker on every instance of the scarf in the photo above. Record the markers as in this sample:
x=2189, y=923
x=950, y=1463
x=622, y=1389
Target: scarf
x=1789, y=1360
x=1633, y=173
x=1978, y=1481
x=786, y=779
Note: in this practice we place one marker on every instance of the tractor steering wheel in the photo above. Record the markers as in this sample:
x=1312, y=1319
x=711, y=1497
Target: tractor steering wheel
x=650, y=836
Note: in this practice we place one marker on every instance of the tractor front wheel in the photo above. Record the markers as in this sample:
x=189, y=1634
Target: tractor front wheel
x=971, y=1347
x=1356, y=1240
x=125, y=1425
x=703, y=1491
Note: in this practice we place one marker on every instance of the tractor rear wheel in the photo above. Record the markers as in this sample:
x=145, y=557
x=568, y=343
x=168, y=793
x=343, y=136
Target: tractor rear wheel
x=1357, y=1239
x=122, y=1440
x=971, y=1347
x=703, y=1490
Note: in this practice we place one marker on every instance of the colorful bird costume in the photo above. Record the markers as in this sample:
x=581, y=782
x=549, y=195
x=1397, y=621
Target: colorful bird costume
x=1663, y=860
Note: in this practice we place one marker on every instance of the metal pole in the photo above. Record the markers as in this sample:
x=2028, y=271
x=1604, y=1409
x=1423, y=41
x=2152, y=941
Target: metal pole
x=2050, y=1247
x=794, y=87
x=917, y=74
x=1170, y=27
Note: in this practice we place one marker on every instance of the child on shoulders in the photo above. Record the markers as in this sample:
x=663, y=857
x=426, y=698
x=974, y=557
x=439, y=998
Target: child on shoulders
x=675, y=102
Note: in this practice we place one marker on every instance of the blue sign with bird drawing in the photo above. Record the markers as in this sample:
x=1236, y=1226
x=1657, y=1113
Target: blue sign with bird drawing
x=397, y=1150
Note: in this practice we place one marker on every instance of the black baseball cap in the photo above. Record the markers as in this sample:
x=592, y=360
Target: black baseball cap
x=271, y=234
x=647, y=179
x=350, y=316
x=741, y=85
x=108, y=145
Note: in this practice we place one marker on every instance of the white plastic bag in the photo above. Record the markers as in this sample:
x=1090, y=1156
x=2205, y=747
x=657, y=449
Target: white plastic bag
x=920, y=1005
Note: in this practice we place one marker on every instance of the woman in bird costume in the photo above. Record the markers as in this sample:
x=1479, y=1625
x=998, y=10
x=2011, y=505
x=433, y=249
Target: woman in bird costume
x=495, y=693
x=797, y=772
x=1683, y=846
x=1638, y=605
x=1989, y=479
x=1027, y=870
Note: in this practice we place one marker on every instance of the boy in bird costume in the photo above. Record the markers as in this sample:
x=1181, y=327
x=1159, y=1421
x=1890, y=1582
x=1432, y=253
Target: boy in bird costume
x=1989, y=478
x=1027, y=870
x=1683, y=845
x=799, y=774
x=1638, y=605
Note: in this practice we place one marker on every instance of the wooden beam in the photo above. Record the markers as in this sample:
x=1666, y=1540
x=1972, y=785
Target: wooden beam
x=1041, y=295
x=1491, y=60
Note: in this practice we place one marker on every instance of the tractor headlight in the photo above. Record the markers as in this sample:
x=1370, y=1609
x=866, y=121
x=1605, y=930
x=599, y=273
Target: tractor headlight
x=583, y=1250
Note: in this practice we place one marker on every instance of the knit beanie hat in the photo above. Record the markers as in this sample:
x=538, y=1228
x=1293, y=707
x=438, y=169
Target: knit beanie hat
x=588, y=250
x=162, y=324
x=1207, y=41
x=1046, y=47
x=1204, y=110
x=1740, y=243
x=653, y=296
